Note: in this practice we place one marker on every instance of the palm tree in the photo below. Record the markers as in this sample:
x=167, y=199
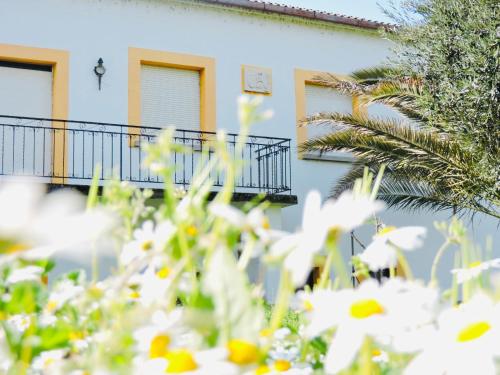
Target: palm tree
x=426, y=167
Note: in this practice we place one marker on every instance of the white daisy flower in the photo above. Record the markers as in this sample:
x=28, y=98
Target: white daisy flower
x=147, y=240
x=254, y=221
x=64, y=292
x=342, y=215
x=41, y=225
x=381, y=253
x=29, y=273
x=371, y=310
x=474, y=270
x=49, y=361
x=187, y=362
x=465, y=341
x=153, y=284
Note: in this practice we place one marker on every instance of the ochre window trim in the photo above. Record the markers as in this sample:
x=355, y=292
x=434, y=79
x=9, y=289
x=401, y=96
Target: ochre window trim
x=59, y=60
x=303, y=78
x=205, y=65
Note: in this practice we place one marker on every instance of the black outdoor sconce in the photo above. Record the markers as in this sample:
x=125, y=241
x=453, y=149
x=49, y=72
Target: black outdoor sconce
x=99, y=71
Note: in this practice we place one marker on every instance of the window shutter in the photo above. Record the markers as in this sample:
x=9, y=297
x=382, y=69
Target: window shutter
x=170, y=96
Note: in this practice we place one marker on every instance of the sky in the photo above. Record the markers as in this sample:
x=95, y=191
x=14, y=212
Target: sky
x=359, y=8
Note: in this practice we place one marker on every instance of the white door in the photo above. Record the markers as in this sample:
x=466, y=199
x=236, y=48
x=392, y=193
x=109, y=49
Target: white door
x=25, y=144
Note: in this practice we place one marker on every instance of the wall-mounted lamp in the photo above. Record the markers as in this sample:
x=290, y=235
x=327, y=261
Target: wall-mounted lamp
x=99, y=70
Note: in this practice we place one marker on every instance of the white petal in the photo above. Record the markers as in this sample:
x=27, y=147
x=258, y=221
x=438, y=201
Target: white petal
x=312, y=207
x=299, y=263
x=379, y=255
x=407, y=238
x=343, y=349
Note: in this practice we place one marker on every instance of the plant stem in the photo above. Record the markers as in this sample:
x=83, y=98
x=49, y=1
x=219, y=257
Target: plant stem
x=404, y=265
x=435, y=263
x=367, y=367
x=281, y=305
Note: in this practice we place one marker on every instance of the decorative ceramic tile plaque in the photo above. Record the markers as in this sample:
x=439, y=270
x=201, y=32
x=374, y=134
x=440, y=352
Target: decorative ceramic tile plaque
x=257, y=80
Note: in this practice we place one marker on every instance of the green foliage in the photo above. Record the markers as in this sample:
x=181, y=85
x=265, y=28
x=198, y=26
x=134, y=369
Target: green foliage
x=445, y=82
x=426, y=167
x=453, y=45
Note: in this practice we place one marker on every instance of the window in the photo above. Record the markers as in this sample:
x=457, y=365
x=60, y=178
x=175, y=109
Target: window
x=170, y=96
x=312, y=98
x=168, y=88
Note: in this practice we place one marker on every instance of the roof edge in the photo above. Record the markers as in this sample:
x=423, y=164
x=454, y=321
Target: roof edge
x=302, y=13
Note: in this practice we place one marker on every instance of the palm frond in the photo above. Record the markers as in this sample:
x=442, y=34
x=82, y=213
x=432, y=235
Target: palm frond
x=416, y=141
x=373, y=75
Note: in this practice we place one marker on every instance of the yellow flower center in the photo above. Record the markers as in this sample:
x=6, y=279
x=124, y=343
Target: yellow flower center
x=265, y=223
x=376, y=352
x=334, y=233
x=386, y=230
x=51, y=306
x=192, y=231
x=266, y=332
x=262, y=369
x=475, y=264
x=147, y=245
x=77, y=335
x=159, y=346
x=281, y=365
x=163, y=273
x=308, y=306
x=242, y=352
x=180, y=360
x=134, y=294
x=473, y=331
x=366, y=308
x=16, y=247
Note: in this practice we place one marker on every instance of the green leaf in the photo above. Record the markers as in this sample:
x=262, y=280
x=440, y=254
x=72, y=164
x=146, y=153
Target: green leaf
x=236, y=312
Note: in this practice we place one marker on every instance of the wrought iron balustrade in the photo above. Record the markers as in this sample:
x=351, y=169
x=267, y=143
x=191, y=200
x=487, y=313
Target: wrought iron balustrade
x=67, y=152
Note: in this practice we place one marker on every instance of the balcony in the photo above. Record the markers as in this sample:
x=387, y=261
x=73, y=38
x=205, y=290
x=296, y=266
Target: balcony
x=61, y=152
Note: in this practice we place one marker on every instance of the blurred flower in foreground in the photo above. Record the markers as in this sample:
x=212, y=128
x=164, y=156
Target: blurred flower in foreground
x=147, y=240
x=369, y=311
x=40, y=225
x=474, y=270
x=318, y=221
x=465, y=342
x=381, y=253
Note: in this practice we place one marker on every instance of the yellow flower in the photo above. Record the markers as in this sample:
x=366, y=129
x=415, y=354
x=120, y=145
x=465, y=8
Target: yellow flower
x=308, y=306
x=365, y=308
x=262, y=369
x=192, y=231
x=51, y=306
x=386, y=230
x=473, y=331
x=242, y=352
x=147, y=245
x=159, y=346
x=266, y=332
x=163, y=273
x=134, y=294
x=180, y=360
x=282, y=365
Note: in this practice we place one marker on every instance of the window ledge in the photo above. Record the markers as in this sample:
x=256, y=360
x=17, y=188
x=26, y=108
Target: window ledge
x=343, y=157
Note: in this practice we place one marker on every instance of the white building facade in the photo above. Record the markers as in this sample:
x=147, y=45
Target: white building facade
x=184, y=63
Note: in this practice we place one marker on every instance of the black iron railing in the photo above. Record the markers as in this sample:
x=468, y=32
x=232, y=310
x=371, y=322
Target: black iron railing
x=67, y=152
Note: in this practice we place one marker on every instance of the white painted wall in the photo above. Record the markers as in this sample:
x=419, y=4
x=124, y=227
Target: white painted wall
x=90, y=29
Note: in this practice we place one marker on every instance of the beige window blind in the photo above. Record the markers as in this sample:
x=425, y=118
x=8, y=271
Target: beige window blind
x=170, y=96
